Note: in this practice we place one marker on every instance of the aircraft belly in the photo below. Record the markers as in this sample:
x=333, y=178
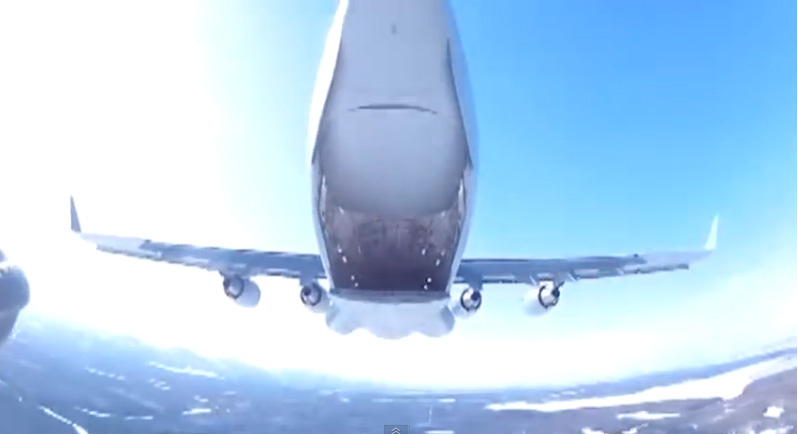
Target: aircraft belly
x=393, y=52
x=392, y=124
x=395, y=162
x=392, y=164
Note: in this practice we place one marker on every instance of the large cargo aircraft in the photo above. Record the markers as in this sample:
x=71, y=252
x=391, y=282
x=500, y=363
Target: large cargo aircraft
x=393, y=156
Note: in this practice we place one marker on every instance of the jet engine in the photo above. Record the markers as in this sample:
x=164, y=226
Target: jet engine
x=540, y=300
x=467, y=304
x=314, y=297
x=243, y=291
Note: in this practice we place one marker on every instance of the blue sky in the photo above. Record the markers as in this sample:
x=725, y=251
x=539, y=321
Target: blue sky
x=605, y=127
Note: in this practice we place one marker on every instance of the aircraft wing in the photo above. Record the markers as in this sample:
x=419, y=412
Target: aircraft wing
x=244, y=262
x=533, y=271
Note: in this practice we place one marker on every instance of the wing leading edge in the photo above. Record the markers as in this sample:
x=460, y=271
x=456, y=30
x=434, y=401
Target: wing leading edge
x=532, y=271
x=243, y=262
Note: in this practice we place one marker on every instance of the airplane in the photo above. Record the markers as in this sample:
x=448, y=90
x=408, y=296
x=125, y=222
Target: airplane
x=14, y=295
x=393, y=162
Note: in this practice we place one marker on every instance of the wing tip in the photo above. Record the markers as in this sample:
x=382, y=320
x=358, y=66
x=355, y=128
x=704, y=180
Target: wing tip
x=712, y=238
x=73, y=214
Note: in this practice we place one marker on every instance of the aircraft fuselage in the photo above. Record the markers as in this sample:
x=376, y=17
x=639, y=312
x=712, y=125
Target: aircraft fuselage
x=393, y=149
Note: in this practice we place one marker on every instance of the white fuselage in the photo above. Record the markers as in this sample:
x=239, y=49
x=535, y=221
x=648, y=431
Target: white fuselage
x=393, y=152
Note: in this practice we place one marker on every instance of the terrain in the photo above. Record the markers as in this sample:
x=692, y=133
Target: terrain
x=61, y=379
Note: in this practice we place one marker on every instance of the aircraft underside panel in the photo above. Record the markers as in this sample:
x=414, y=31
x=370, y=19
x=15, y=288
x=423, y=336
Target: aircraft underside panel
x=372, y=252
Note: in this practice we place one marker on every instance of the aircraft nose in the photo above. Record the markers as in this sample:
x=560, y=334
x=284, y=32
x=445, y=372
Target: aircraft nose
x=14, y=289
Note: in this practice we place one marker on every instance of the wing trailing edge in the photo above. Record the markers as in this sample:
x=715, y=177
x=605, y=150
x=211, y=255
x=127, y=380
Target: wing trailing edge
x=244, y=262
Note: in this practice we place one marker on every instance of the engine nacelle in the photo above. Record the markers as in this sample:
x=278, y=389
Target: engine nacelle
x=540, y=300
x=467, y=304
x=315, y=298
x=244, y=292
